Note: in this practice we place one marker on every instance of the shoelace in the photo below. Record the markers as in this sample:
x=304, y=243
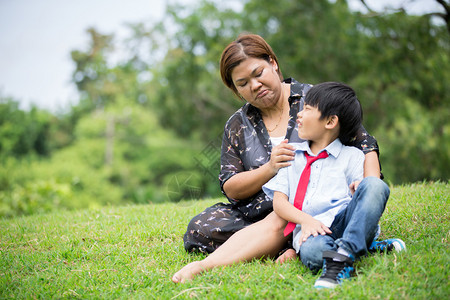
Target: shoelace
x=333, y=269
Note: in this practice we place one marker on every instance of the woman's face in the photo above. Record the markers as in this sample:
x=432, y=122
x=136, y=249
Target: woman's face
x=257, y=81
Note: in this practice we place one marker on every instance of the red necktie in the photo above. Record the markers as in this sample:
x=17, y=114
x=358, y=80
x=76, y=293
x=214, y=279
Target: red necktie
x=302, y=185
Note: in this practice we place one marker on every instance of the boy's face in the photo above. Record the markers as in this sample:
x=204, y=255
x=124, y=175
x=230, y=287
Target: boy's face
x=310, y=126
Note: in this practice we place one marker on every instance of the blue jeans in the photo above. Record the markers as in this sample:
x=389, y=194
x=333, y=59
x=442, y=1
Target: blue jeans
x=354, y=228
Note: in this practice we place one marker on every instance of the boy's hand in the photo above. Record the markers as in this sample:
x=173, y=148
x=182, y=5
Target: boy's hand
x=353, y=186
x=311, y=226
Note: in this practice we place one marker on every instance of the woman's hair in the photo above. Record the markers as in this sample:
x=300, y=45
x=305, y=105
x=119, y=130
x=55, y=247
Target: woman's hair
x=334, y=98
x=245, y=46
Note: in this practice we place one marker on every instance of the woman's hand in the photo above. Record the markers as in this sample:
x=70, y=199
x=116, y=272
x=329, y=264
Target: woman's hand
x=247, y=183
x=311, y=226
x=281, y=156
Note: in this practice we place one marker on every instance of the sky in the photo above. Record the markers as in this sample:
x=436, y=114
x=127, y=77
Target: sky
x=37, y=36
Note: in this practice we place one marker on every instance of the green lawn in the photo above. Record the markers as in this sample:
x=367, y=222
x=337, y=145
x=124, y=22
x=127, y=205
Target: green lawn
x=132, y=252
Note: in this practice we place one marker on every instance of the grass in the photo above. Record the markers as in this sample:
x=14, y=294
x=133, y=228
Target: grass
x=132, y=252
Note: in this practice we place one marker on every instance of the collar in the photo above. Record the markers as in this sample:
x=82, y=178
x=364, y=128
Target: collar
x=298, y=89
x=333, y=149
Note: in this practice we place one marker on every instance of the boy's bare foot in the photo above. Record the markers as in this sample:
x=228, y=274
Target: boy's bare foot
x=188, y=272
x=288, y=255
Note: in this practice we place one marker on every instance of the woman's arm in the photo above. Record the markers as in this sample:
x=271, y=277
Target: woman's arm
x=371, y=168
x=369, y=146
x=372, y=165
x=247, y=183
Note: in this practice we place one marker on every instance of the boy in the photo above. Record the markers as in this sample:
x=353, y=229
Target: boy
x=330, y=227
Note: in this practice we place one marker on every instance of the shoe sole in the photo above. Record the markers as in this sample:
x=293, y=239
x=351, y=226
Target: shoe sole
x=399, y=246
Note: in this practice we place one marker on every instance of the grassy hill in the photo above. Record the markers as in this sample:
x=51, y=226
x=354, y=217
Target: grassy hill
x=132, y=252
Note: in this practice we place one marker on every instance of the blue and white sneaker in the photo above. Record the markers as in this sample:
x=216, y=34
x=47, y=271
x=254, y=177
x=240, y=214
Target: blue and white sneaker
x=387, y=246
x=336, y=268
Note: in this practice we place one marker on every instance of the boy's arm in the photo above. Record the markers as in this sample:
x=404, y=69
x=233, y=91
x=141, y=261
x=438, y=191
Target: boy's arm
x=288, y=212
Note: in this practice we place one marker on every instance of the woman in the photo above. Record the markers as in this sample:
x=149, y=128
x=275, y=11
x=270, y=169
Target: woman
x=254, y=147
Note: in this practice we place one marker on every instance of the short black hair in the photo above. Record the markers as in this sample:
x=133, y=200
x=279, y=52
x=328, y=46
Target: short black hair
x=335, y=98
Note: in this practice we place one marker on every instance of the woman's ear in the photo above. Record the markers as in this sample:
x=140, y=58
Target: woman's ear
x=332, y=122
x=273, y=63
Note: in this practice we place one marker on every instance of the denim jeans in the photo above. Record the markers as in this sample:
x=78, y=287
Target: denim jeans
x=354, y=228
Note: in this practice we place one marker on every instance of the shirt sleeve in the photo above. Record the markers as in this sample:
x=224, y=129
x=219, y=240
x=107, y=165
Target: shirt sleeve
x=278, y=183
x=365, y=142
x=357, y=164
x=230, y=161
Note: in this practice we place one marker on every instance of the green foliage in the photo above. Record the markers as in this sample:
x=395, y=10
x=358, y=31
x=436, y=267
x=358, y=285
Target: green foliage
x=191, y=98
x=132, y=252
x=417, y=141
x=393, y=60
x=135, y=162
x=314, y=41
x=147, y=126
x=23, y=133
x=35, y=198
x=91, y=73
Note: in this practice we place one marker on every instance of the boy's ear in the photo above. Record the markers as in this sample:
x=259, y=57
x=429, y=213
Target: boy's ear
x=332, y=122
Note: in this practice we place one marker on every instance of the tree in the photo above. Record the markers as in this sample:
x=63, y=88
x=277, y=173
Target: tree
x=23, y=133
x=191, y=97
x=91, y=72
x=393, y=60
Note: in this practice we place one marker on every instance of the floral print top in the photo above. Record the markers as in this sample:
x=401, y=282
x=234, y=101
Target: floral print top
x=246, y=146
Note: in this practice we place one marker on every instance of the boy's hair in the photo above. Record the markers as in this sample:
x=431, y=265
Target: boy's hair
x=334, y=98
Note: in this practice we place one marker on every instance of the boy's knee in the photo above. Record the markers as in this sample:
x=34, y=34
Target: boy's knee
x=375, y=189
x=311, y=252
x=375, y=184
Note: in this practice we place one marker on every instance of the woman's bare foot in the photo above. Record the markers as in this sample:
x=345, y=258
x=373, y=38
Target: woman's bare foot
x=188, y=272
x=288, y=255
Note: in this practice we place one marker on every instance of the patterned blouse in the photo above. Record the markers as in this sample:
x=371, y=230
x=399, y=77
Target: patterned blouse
x=246, y=146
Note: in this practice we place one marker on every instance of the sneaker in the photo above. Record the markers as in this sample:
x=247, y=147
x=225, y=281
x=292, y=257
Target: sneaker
x=336, y=268
x=378, y=232
x=387, y=246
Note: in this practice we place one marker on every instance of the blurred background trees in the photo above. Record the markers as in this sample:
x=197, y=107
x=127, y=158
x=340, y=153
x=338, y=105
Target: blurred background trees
x=148, y=126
